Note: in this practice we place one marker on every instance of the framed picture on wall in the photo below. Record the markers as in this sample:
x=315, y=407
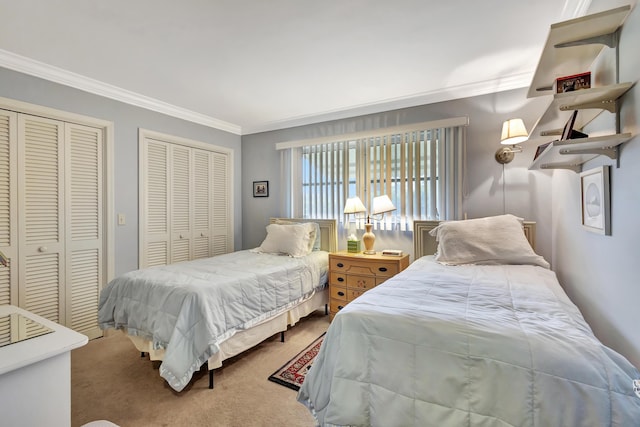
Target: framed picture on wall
x=594, y=185
x=260, y=188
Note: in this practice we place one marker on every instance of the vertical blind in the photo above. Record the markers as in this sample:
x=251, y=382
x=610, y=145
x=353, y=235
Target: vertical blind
x=419, y=168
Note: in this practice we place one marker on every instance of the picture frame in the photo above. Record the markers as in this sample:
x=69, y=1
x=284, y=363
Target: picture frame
x=568, y=127
x=541, y=149
x=260, y=188
x=596, y=203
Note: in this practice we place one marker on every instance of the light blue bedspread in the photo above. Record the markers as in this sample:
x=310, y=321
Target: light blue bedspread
x=189, y=308
x=468, y=346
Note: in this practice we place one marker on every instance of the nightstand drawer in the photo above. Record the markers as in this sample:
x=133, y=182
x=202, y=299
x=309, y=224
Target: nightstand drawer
x=361, y=282
x=338, y=293
x=336, y=305
x=337, y=279
x=387, y=269
x=364, y=266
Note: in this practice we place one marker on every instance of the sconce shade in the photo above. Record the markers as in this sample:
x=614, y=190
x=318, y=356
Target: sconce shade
x=513, y=132
x=382, y=204
x=354, y=205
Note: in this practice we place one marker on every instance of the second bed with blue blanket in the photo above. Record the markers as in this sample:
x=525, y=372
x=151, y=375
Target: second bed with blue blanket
x=189, y=309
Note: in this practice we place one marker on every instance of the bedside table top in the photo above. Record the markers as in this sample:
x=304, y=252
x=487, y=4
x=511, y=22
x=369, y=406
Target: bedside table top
x=378, y=256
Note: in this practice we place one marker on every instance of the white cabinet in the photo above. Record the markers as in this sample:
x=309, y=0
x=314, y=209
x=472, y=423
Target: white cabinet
x=35, y=373
x=571, y=48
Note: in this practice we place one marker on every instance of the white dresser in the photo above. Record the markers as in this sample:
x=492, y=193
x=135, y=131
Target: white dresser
x=35, y=369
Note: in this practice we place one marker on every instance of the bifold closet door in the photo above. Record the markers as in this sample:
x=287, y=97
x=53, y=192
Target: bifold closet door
x=83, y=227
x=42, y=217
x=155, y=197
x=185, y=203
x=181, y=208
x=8, y=210
x=220, y=205
x=202, y=185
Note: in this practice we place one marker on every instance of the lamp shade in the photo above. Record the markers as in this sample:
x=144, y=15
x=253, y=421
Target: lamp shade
x=354, y=205
x=513, y=132
x=382, y=204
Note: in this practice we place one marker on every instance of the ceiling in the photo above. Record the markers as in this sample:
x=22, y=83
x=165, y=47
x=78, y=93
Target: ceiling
x=253, y=65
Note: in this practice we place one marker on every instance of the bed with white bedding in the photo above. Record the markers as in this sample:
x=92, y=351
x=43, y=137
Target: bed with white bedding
x=494, y=342
x=206, y=310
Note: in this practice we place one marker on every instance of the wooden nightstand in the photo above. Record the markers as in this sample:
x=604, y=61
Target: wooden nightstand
x=351, y=274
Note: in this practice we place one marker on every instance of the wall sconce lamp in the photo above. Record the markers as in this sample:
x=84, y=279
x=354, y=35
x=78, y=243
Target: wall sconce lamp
x=513, y=133
x=381, y=205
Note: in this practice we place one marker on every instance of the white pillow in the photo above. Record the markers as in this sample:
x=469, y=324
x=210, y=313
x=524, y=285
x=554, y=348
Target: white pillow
x=295, y=240
x=491, y=240
x=317, y=243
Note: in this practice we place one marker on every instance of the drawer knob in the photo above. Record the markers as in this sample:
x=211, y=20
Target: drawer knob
x=340, y=307
x=382, y=268
x=341, y=293
x=340, y=279
x=340, y=265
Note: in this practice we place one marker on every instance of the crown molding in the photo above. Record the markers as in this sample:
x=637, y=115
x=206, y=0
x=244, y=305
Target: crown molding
x=35, y=68
x=501, y=84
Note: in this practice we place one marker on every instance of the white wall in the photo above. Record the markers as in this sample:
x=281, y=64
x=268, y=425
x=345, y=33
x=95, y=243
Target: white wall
x=601, y=273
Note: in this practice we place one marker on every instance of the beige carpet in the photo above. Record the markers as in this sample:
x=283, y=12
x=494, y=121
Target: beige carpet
x=110, y=381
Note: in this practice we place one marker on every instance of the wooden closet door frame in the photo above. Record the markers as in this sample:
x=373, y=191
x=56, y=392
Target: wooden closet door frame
x=107, y=168
x=143, y=135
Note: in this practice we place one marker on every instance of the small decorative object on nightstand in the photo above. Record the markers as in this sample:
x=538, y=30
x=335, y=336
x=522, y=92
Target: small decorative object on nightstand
x=381, y=205
x=351, y=275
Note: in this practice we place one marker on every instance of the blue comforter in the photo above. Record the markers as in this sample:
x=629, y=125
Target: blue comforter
x=189, y=308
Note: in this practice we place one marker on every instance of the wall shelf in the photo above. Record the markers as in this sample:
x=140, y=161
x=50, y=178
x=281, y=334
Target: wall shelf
x=573, y=45
x=571, y=48
x=590, y=101
x=572, y=153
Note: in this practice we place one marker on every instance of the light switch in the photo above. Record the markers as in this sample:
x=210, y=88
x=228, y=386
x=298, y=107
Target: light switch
x=121, y=219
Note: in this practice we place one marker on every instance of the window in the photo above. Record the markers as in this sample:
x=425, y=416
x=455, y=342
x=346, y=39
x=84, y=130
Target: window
x=418, y=167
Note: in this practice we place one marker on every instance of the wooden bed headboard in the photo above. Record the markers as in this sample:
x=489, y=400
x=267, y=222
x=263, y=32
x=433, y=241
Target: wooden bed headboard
x=328, y=231
x=425, y=244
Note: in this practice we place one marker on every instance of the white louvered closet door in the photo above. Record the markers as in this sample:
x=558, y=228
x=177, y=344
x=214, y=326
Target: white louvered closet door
x=201, y=203
x=220, y=205
x=8, y=207
x=185, y=212
x=156, y=204
x=83, y=229
x=181, y=207
x=40, y=201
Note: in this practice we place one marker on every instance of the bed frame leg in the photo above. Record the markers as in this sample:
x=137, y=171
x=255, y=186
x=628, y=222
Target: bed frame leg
x=326, y=309
x=282, y=336
x=210, y=377
x=142, y=354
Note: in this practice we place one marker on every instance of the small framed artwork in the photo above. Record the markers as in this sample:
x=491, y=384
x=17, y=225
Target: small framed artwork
x=260, y=188
x=568, y=127
x=594, y=185
x=540, y=149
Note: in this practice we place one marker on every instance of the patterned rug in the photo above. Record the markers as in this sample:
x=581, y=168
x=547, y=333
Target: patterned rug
x=293, y=372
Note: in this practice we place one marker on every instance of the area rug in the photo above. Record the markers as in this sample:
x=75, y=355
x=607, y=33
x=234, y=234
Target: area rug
x=293, y=372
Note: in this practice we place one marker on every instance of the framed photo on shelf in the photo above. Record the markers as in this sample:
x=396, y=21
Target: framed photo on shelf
x=260, y=188
x=594, y=185
x=540, y=149
x=568, y=127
